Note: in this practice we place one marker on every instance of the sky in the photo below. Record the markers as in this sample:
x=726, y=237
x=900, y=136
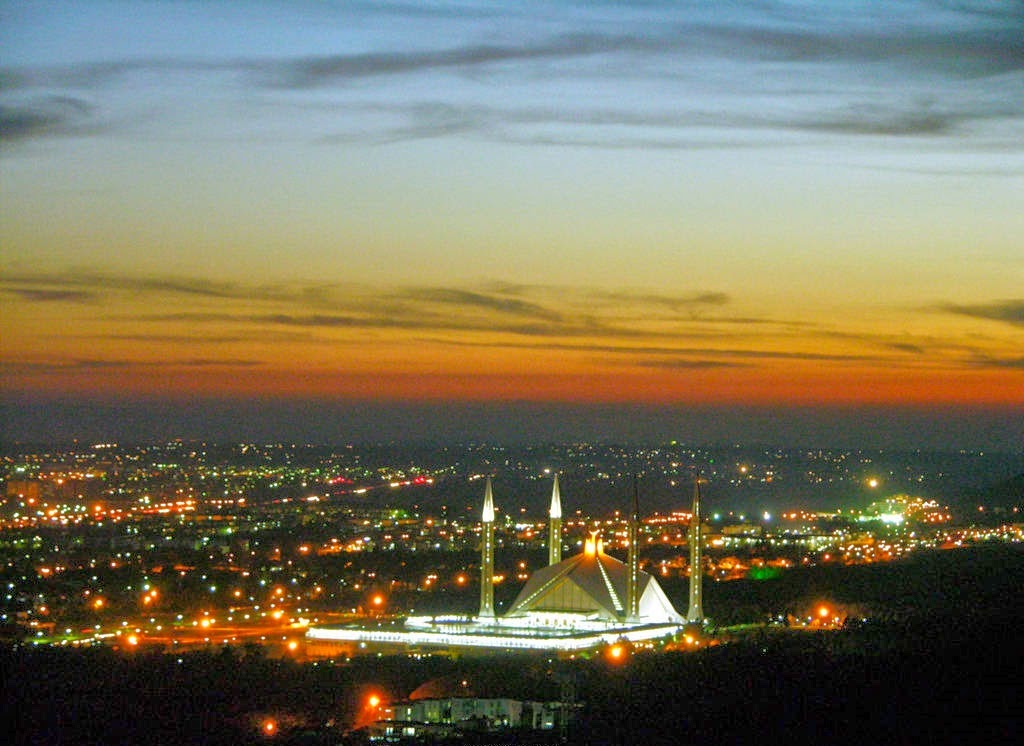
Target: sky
x=728, y=220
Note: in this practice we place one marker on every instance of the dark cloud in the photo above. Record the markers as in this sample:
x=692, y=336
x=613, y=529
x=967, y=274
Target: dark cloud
x=46, y=367
x=889, y=342
x=674, y=302
x=1009, y=311
x=513, y=309
x=48, y=115
x=910, y=347
x=315, y=71
x=666, y=356
x=413, y=321
x=684, y=327
x=688, y=364
x=873, y=120
x=1013, y=363
x=978, y=50
x=673, y=124
x=924, y=68
x=751, y=36
x=191, y=317
x=187, y=339
x=314, y=320
x=96, y=284
x=468, y=299
x=49, y=295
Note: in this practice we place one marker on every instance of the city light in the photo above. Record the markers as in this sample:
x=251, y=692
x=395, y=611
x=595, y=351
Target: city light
x=215, y=550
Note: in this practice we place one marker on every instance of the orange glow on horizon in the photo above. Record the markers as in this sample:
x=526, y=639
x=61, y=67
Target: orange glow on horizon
x=642, y=364
x=795, y=385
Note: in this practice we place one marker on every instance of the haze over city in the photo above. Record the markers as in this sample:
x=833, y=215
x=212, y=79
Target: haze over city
x=784, y=221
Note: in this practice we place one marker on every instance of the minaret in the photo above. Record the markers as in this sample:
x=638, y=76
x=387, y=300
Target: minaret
x=633, y=560
x=695, y=612
x=487, y=555
x=555, y=527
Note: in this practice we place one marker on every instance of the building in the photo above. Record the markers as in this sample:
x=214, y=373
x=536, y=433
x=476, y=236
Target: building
x=448, y=717
x=587, y=600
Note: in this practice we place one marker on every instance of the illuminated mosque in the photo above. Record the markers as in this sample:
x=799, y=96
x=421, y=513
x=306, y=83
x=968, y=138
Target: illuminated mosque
x=581, y=602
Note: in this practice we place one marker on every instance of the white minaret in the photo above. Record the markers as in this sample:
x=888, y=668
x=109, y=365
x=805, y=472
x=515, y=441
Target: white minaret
x=555, y=527
x=633, y=560
x=487, y=555
x=695, y=613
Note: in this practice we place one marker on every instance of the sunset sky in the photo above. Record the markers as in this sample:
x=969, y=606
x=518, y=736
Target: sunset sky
x=350, y=209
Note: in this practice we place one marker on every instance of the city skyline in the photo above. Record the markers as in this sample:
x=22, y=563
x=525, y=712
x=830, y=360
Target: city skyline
x=740, y=221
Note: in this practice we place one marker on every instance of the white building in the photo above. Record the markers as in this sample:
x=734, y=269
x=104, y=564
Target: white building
x=584, y=601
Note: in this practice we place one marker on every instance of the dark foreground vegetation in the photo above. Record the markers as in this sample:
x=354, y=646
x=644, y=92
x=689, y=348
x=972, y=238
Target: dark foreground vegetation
x=939, y=661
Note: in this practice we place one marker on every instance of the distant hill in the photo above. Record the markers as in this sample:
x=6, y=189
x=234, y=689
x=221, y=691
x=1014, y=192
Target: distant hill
x=1009, y=492
x=1006, y=493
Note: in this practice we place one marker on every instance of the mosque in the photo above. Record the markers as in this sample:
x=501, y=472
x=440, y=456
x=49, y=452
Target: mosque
x=584, y=601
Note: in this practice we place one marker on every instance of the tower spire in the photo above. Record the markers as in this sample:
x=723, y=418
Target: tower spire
x=555, y=526
x=696, y=611
x=487, y=554
x=633, y=559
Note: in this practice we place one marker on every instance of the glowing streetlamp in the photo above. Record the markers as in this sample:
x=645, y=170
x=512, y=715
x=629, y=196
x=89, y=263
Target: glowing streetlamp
x=616, y=653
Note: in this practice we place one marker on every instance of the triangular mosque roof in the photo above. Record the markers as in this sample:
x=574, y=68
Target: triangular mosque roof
x=591, y=583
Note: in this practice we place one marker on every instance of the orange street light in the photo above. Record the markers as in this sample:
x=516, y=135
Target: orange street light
x=616, y=653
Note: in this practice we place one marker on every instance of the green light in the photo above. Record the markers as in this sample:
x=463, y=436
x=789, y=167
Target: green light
x=764, y=573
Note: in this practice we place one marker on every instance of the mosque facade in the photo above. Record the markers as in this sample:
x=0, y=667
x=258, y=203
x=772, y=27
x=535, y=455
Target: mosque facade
x=583, y=601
